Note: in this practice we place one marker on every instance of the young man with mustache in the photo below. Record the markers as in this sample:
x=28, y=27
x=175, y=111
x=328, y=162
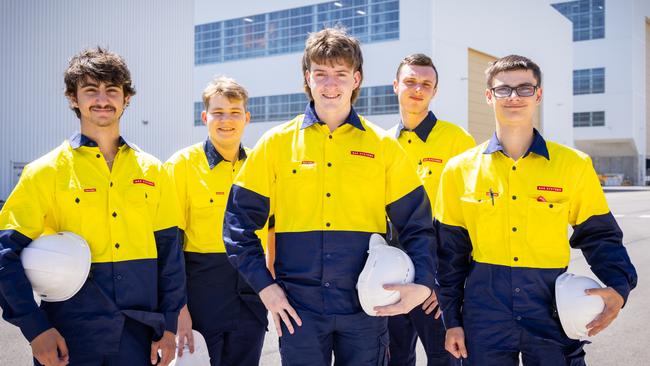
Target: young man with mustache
x=121, y=201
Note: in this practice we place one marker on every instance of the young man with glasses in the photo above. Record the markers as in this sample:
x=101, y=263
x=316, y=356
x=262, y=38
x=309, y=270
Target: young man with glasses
x=503, y=210
x=429, y=143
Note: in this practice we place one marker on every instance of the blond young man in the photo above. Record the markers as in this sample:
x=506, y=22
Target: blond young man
x=332, y=177
x=221, y=305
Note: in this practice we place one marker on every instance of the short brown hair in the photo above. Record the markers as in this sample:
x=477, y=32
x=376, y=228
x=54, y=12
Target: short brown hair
x=511, y=63
x=332, y=45
x=98, y=64
x=417, y=59
x=227, y=87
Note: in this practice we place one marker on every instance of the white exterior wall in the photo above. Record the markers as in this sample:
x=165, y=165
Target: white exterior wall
x=155, y=37
x=442, y=29
x=622, y=54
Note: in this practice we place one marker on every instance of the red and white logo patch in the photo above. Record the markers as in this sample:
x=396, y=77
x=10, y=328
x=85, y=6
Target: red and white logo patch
x=221, y=193
x=144, y=181
x=492, y=194
x=433, y=160
x=308, y=162
x=363, y=153
x=90, y=189
x=549, y=189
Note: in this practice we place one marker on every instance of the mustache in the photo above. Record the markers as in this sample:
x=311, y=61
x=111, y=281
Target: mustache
x=102, y=107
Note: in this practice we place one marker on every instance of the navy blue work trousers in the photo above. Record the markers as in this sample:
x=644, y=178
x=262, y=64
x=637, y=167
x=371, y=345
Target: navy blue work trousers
x=135, y=349
x=239, y=347
x=534, y=352
x=354, y=340
x=404, y=331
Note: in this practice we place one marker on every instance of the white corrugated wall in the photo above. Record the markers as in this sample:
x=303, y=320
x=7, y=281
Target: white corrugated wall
x=37, y=37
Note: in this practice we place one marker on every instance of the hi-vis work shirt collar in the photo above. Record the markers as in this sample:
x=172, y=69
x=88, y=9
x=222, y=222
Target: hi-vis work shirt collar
x=538, y=146
x=311, y=118
x=213, y=155
x=78, y=140
x=423, y=129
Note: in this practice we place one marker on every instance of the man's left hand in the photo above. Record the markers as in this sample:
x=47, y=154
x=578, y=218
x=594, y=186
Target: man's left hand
x=411, y=295
x=167, y=347
x=613, y=304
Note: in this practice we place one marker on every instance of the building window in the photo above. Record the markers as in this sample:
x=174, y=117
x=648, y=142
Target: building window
x=198, y=108
x=589, y=81
x=587, y=16
x=589, y=119
x=285, y=31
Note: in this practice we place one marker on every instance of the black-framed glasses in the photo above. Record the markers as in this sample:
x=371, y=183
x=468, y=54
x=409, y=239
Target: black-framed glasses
x=505, y=91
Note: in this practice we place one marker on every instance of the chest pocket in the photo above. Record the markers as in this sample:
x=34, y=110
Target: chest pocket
x=206, y=219
x=547, y=230
x=78, y=209
x=485, y=227
x=143, y=199
x=297, y=186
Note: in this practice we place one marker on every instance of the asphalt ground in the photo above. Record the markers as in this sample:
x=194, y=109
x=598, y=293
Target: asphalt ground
x=625, y=342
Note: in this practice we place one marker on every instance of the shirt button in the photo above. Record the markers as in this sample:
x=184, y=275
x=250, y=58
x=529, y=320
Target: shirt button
x=514, y=168
x=514, y=197
x=550, y=205
x=98, y=156
x=328, y=256
x=77, y=200
x=327, y=284
x=514, y=229
x=117, y=245
x=294, y=171
x=517, y=289
x=518, y=317
x=118, y=277
x=420, y=162
x=114, y=214
x=327, y=224
x=110, y=184
x=329, y=164
x=211, y=200
x=409, y=141
x=328, y=194
x=515, y=259
x=331, y=137
x=430, y=172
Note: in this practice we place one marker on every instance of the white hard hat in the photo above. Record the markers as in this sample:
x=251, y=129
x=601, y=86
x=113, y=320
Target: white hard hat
x=385, y=265
x=575, y=308
x=56, y=265
x=200, y=357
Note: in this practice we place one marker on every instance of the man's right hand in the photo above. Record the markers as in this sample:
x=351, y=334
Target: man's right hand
x=455, y=342
x=184, y=331
x=49, y=348
x=277, y=304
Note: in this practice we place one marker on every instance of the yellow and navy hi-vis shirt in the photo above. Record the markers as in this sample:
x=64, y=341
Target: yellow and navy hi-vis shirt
x=430, y=145
x=128, y=216
x=503, y=229
x=331, y=191
x=203, y=179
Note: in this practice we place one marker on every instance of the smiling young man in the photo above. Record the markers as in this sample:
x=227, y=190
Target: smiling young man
x=503, y=209
x=331, y=178
x=220, y=304
x=121, y=201
x=429, y=143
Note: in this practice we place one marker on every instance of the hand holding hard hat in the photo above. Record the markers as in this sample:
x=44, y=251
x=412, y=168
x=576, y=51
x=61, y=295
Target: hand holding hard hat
x=584, y=307
x=384, y=267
